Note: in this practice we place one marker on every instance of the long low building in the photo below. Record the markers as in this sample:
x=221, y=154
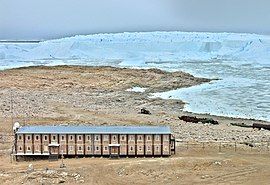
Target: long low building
x=94, y=141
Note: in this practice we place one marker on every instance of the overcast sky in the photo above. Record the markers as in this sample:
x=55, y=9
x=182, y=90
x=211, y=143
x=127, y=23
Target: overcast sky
x=45, y=19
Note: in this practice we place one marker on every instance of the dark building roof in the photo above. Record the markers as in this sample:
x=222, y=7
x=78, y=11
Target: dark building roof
x=94, y=130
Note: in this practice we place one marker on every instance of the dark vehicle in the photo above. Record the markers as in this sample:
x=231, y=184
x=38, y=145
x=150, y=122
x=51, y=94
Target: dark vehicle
x=145, y=111
x=194, y=119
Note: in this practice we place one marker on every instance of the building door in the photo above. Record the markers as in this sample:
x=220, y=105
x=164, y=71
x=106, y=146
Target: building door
x=54, y=150
x=114, y=150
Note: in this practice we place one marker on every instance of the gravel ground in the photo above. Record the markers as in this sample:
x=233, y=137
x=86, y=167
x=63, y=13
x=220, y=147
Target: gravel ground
x=97, y=95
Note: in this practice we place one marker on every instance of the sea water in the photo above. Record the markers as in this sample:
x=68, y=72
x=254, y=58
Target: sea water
x=242, y=90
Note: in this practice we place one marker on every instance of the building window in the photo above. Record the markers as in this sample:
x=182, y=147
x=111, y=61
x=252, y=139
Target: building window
x=63, y=147
x=28, y=138
x=97, y=138
x=148, y=148
x=131, y=137
x=114, y=138
x=165, y=137
x=148, y=138
x=97, y=148
x=140, y=138
x=28, y=148
x=37, y=138
x=140, y=148
x=88, y=137
x=20, y=138
x=71, y=148
x=80, y=138
x=63, y=138
x=105, y=148
x=157, y=137
x=123, y=138
x=131, y=148
x=105, y=137
x=89, y=148
x=45, y=138
x=71, y=138
x=157, y=148
x=45, y=149
x=20, y=148
x=54, y=138
x=80, y=148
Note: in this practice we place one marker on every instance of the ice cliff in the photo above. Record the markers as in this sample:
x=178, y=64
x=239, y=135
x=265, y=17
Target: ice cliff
x=148, y=46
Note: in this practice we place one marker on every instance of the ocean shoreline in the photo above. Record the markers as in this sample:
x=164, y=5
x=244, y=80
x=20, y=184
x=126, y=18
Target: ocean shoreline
x=151, y=94
x=166, y=95
x=99, y=96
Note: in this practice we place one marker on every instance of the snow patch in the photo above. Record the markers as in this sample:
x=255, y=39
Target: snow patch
x=137, y=89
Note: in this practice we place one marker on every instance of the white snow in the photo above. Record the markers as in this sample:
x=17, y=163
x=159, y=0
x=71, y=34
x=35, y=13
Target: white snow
x=242, y=61
x=137, y=89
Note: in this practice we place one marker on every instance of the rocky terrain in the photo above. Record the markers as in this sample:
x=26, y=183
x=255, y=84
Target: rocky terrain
x=99, y=96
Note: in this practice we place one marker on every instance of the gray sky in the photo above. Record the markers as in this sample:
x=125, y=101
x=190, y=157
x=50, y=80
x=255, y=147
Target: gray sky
x=44, y=19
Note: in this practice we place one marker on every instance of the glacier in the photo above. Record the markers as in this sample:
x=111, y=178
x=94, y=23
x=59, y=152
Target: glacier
x=240, y=61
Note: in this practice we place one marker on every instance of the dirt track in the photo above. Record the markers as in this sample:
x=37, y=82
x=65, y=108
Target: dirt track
x=186, y=167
